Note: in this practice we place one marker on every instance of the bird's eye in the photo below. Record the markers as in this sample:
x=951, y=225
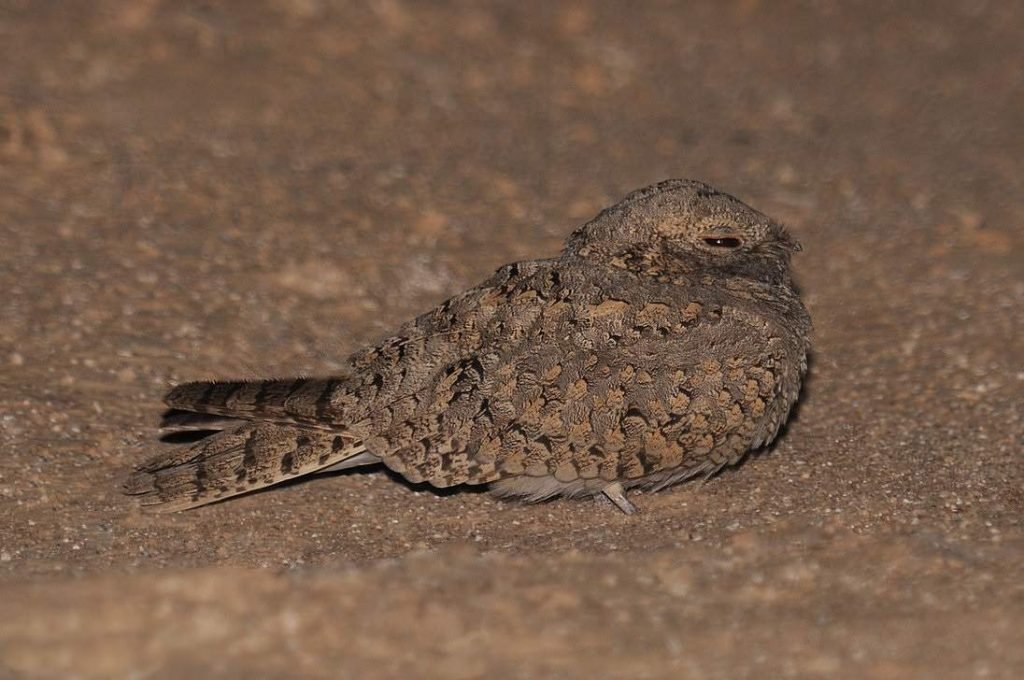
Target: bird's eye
x=723, y=241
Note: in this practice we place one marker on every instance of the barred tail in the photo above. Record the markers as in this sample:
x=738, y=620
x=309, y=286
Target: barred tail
x=301, y=400
x=250, y=457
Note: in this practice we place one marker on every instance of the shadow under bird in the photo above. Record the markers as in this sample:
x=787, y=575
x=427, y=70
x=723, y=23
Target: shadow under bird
x=664, y=343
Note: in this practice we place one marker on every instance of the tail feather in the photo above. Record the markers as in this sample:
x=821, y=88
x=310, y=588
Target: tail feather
x=301, y=400
x=175, y=422
x=249, y=457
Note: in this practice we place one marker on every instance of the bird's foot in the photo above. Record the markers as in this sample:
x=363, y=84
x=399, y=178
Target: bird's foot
x=616, y=495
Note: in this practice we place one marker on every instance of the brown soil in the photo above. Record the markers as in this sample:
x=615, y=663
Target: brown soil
x=214, y=189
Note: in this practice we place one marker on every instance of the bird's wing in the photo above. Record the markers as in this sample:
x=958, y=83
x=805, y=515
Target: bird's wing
x=590, y=378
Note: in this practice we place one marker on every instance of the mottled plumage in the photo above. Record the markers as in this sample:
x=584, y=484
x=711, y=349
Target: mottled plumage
x=664, y=343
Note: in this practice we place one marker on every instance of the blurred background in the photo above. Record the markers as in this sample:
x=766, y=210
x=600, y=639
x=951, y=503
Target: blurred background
x=220, y=189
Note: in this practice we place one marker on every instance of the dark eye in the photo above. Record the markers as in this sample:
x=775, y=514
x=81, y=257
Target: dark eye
x=723, y=242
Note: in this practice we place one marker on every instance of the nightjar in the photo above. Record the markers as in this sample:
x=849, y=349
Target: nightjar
x=664, y=342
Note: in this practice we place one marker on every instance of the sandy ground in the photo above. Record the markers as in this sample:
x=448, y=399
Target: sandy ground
x=213, y=189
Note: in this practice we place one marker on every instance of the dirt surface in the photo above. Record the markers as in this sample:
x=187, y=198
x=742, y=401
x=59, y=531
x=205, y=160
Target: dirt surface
x=210, y=189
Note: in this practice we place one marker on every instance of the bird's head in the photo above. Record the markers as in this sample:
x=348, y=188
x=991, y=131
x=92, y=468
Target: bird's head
x=693, y=224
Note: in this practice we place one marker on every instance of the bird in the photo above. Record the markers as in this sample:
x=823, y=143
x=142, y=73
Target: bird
x=664, y=342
